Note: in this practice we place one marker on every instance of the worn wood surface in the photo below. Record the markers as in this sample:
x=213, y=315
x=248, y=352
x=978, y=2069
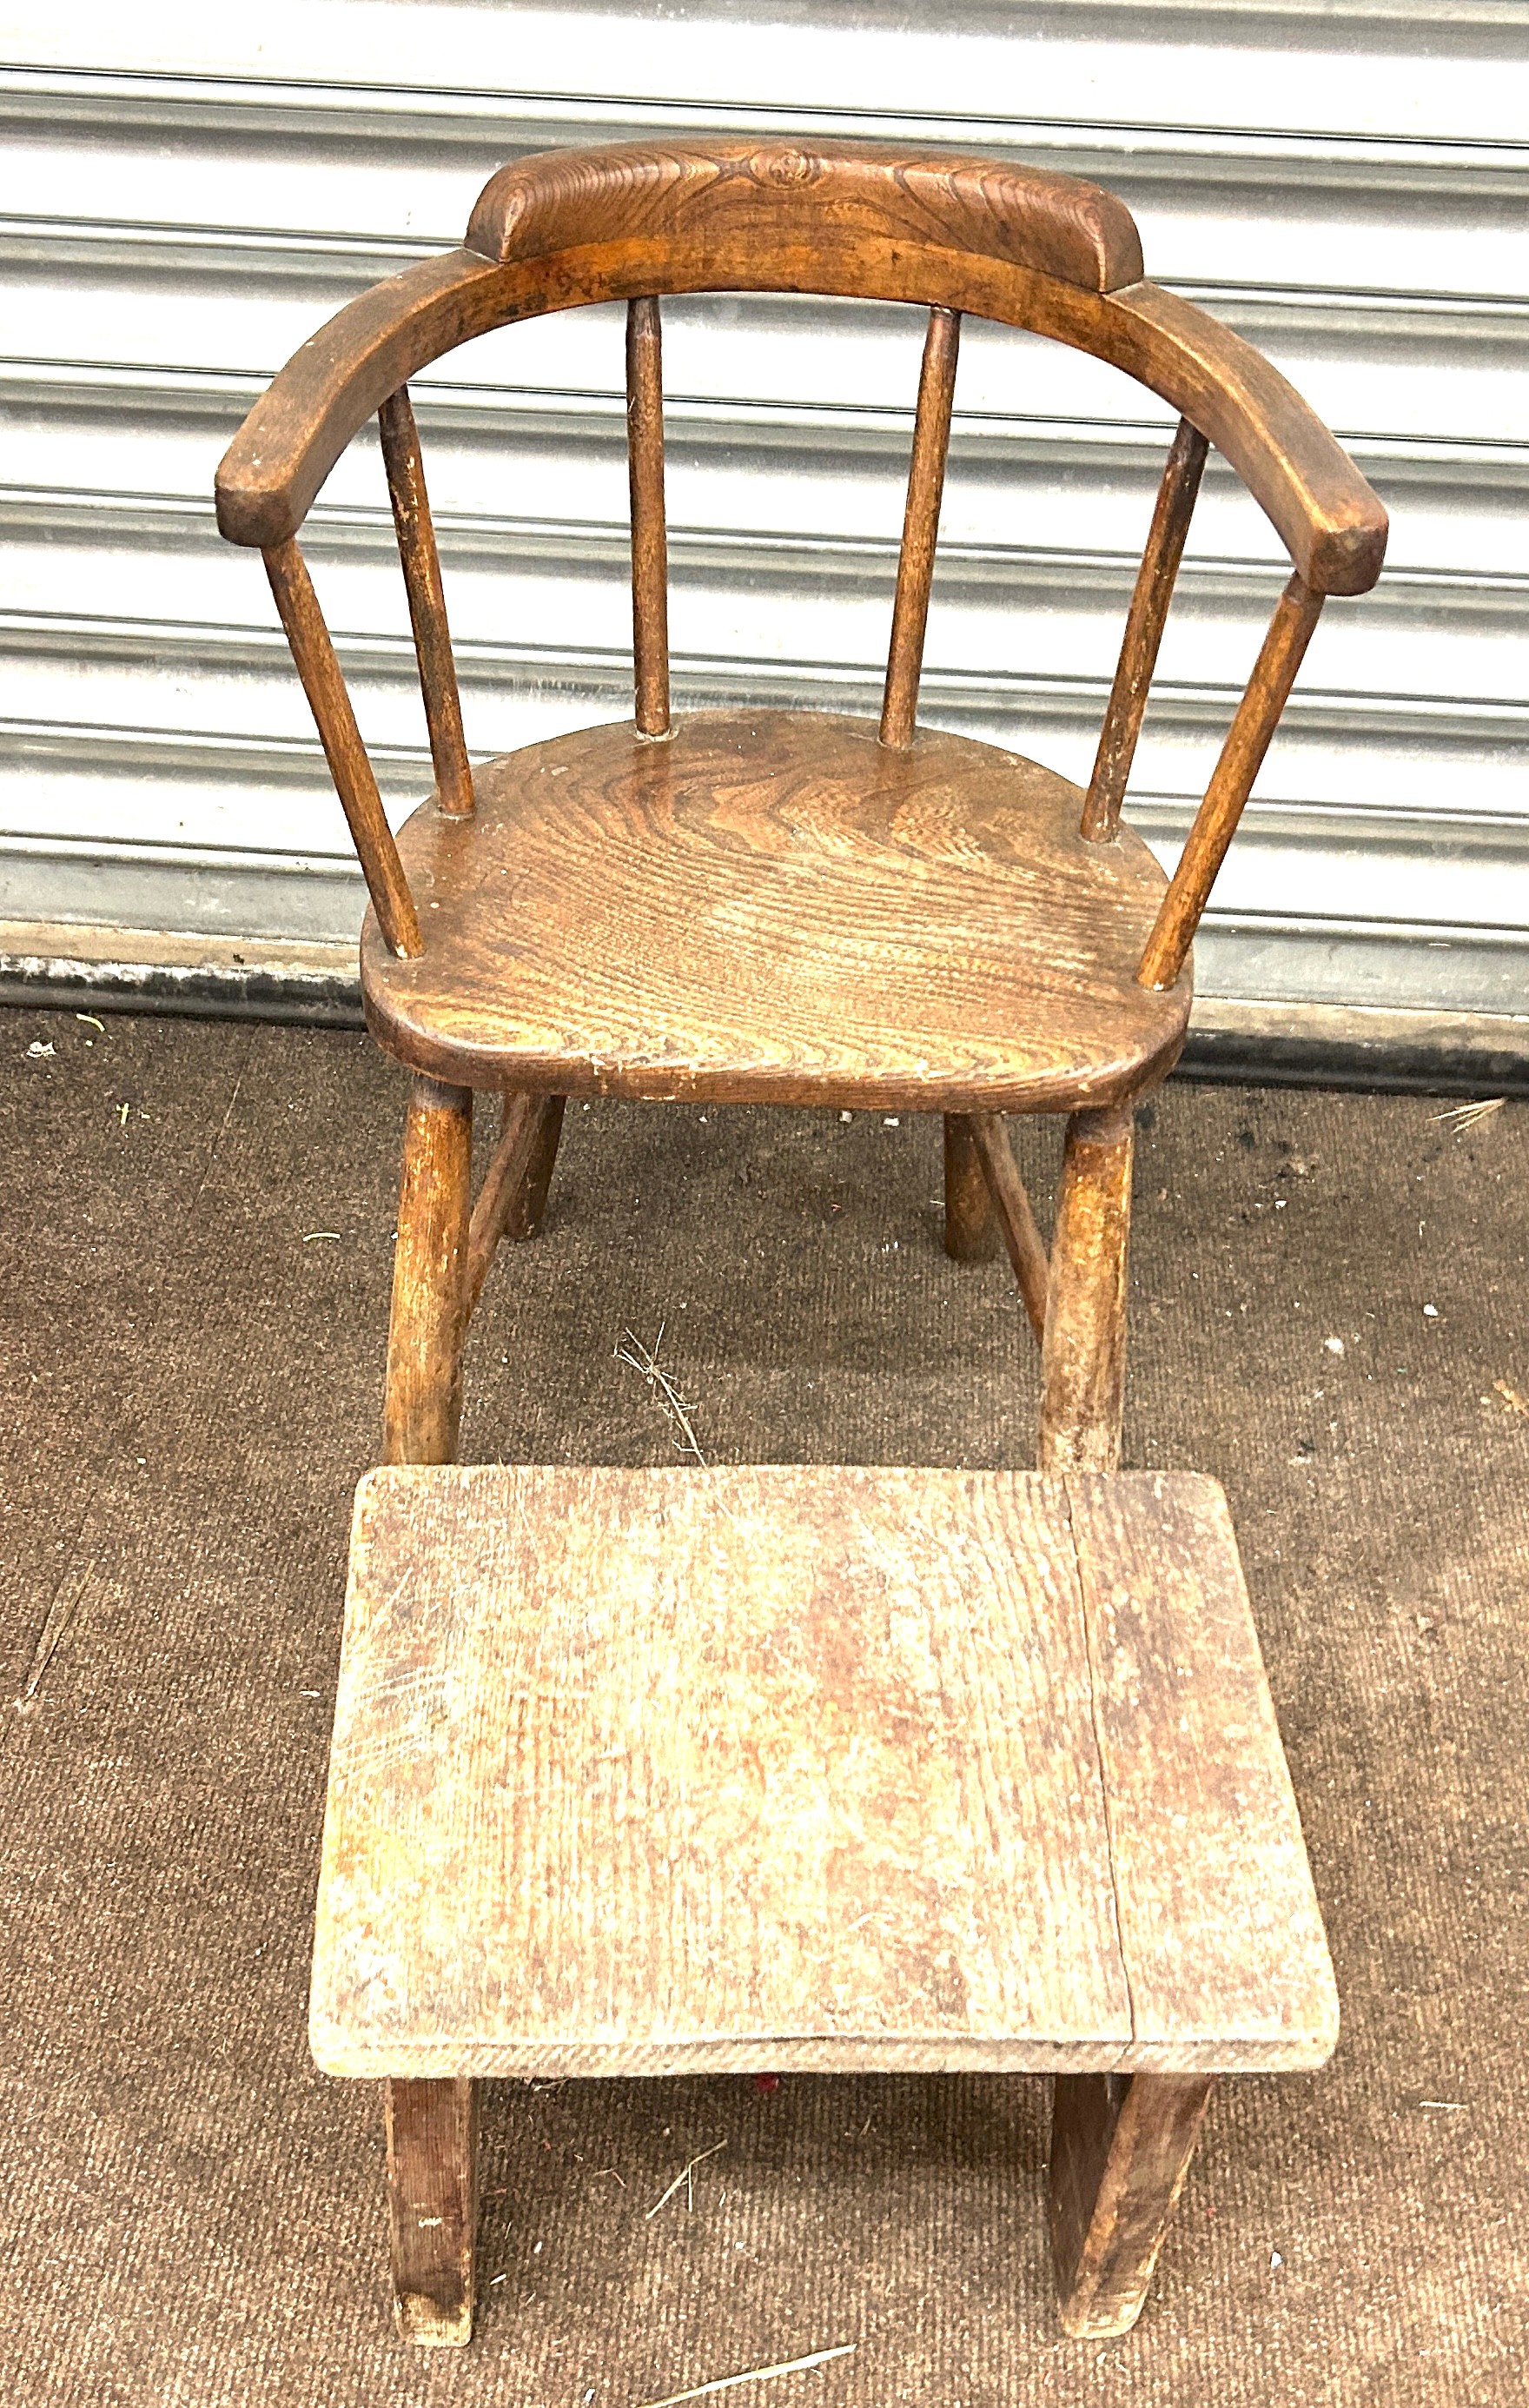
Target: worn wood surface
x=823, y=204
x=775, y=908
x=920, y=527
x=1120, y=2147
x=644, y=1771
x=1144, y=625
x=421, y=560
x=1247, y=739
x=1082, y=1367
x=510, y=1202
x=348, y=765
x=1022, y=1241
x=432, y=2206
x=524, y=1217
x=1221, y=1921
x=649, y=532
x=972, y=1233
x=978, y=236
x=424, y=1401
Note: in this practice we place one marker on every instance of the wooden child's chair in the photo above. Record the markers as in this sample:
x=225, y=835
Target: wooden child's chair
x=787, y=907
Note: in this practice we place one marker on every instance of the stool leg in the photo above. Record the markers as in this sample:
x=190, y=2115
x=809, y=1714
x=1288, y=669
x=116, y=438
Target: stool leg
x=1083, y=1355
x=1120, y=2147
x=432, y=2206
x=432, y=2183
x=424, y=1338
x=971, y=1227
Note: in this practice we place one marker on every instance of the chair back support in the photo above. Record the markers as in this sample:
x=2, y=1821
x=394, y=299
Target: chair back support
x=635, y=222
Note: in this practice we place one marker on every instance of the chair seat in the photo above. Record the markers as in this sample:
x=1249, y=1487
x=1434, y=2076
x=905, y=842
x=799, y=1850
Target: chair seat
x=707, y=1771
x=772, y=906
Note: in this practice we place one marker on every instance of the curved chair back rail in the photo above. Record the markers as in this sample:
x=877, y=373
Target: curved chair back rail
x=632, y=221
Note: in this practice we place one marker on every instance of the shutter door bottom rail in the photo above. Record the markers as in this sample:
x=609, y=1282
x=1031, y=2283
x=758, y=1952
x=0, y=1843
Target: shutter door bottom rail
x=59, y=966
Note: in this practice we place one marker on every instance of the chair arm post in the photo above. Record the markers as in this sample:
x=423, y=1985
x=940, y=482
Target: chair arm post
x=349, y=765
x=1241, y=757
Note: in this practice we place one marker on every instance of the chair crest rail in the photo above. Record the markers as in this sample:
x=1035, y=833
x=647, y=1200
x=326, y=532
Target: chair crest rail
x=1331, y=523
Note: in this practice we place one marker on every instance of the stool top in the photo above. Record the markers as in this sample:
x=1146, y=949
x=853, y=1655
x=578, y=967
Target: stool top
x=843, y=1769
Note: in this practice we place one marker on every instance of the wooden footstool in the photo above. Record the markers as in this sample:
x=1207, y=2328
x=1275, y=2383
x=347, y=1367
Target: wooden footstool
x=838, y=1770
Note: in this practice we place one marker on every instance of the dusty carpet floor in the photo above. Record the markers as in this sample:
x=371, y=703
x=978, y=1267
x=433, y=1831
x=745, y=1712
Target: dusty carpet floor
x=1329, y=1314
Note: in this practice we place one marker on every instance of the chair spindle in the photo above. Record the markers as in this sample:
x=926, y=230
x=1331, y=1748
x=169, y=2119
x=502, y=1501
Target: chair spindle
x=1155, y=578
x=426, y=602
x=920, y=527
x=1241, y=758
x=650, y=541
x=354, y=782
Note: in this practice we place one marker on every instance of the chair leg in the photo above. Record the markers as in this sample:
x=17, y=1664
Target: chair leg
x=524, y=1217
x=432, y=2206
x=513, y=1195
x=1083, y=1356
x=971, y=1227
x=431, y=2125
x=423, y=1403
x=1120, y=2147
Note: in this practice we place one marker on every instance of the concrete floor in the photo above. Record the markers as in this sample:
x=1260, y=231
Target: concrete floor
x=1328, y=1313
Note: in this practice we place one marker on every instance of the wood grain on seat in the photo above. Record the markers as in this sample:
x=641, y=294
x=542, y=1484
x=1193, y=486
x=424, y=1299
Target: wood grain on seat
x=772, y=906
x=849, y=1769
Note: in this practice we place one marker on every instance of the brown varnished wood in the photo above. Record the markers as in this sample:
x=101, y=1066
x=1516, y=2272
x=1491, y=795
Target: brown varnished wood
x=1183, y=1719
x=1144, y=632
x=1120, y=2147
x=431, y=2126
x=342, y=375
x=1006, y=248
x=971, y=1232
x=1022, y=1241
x=510, y=1202
x=834, y=205
x=426, y=601
x=774, y=907
x=1083, y=1353
x=1247, y=739
x=649, y=535
x=424, y=1401
x=431, y=2207
x=920, y=527
x=811, y=1767
x=524, y=1217
x=344, y=751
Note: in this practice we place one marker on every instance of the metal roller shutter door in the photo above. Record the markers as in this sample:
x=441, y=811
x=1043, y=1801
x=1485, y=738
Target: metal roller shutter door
x=1344, y=184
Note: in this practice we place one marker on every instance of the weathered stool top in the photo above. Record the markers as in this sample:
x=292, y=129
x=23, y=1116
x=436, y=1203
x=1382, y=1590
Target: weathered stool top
x=709, y=1770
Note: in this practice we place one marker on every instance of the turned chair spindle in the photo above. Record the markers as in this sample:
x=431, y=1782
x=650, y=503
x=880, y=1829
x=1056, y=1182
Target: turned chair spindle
x=650, y=537
x=920, y=527
x=426, y=602
x=1143, y=636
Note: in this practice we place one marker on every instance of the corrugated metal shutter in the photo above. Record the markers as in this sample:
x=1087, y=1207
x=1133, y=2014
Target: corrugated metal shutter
x=190, y=191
